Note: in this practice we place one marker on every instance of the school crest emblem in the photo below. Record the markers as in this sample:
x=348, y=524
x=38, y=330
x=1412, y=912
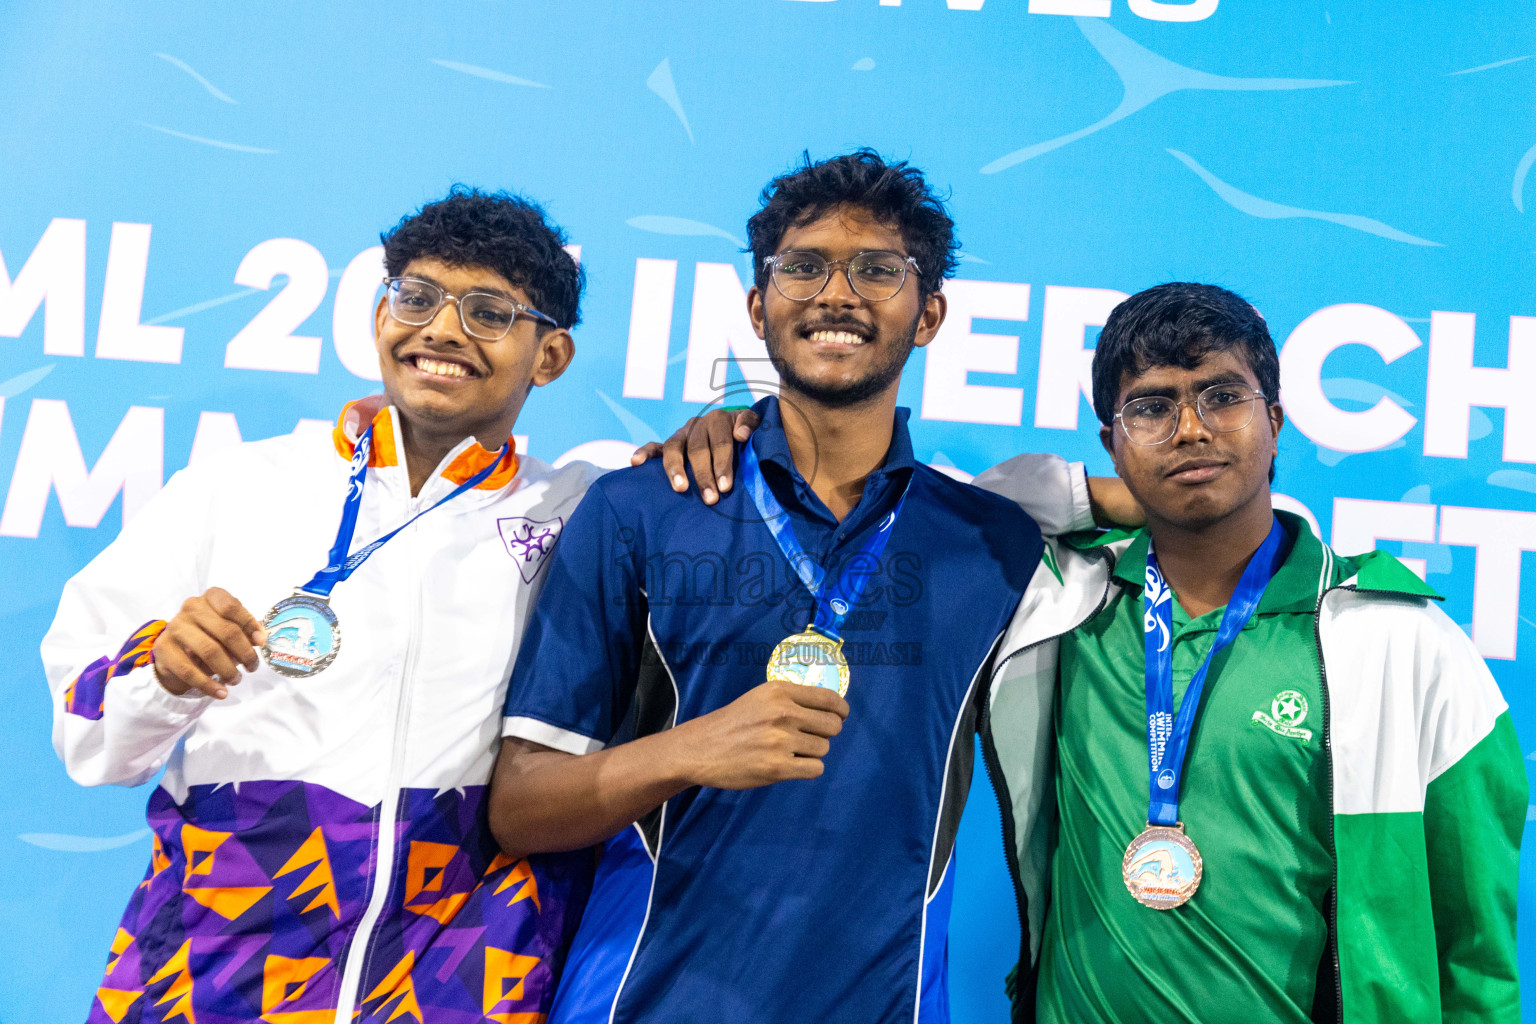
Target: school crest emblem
x=529, y=542
x=1286, y=713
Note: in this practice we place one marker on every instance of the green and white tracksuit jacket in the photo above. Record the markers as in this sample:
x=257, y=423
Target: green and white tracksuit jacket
x=1428, y=782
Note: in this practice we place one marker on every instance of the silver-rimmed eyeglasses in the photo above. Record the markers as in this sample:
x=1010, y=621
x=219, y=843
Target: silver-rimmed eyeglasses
x=1223, y=408
x=415, y=301
x=875, y=275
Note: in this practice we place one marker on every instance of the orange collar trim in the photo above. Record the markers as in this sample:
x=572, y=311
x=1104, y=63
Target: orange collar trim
x=468, y=462
x=475, y=458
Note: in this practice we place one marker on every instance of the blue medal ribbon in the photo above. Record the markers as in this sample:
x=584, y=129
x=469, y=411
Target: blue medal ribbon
x=832, y=607
x=340, y=565
x=1167, y=734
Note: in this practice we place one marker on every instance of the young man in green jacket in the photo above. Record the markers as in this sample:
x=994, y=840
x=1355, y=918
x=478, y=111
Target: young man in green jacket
x=1339, y=839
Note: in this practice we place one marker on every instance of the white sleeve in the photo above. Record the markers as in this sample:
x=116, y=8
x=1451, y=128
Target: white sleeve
x=1052, y=490
x=112, y=722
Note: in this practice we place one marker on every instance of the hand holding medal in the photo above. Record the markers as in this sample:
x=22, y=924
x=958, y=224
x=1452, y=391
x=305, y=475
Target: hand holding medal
x=206, y=644
x=774, y=732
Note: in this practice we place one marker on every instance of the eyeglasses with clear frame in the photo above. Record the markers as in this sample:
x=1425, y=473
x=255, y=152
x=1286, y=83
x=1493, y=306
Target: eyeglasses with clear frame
x=875, y=275
x=486, y=315
x=1223, y=408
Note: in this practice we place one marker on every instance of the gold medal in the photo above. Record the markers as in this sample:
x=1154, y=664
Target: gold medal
x=810, y=659
x=1162, y=867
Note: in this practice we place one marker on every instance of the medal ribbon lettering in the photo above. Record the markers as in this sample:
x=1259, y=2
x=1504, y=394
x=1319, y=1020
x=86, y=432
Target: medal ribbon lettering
x=340, y=565
x=832, y=607
x=1168, y=734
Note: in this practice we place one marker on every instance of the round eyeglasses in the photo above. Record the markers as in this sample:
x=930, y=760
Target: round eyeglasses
x=874, y=276
x=486, y=315
x=1223, y=408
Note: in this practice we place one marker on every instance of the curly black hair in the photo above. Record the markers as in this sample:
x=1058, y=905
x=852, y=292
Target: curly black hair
x=893, y=192
x=1179, y=324
x=498, y=230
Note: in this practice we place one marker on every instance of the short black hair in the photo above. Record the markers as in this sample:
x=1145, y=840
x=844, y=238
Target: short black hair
x=1179, y=324
x=501, y=231
x=893, y=192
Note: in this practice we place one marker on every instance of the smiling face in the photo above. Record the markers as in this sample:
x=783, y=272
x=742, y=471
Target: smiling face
x=449, y=384
x=840, y=349
x=1198, y=477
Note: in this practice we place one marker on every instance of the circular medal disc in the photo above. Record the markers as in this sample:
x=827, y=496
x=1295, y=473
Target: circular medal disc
x=302, y=636
x=1162, y=867
x=810, y=659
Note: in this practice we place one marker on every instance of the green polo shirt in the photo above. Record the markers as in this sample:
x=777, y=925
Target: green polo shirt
x=1255, y=798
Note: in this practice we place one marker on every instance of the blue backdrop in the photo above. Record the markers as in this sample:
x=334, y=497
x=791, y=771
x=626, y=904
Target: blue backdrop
x=190, y=200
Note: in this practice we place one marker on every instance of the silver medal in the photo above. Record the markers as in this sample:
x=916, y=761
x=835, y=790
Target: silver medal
x=303, y=635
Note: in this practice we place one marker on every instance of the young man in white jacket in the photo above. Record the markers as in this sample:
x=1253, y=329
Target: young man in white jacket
x=320, y=850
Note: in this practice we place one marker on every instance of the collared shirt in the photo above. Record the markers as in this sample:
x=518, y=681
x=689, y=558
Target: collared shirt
x=1249, y=943
x=817, y=528
x=824, y=899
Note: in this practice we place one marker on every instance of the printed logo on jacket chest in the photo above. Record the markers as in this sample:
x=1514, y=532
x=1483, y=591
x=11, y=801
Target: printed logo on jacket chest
x=1285, y=715
x=529, y=541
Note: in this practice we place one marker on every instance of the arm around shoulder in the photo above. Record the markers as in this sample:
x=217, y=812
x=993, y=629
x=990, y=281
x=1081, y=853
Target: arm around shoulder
x=1059, y=495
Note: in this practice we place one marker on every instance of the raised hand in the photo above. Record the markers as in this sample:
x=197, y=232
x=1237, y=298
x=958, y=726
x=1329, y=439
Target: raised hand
x=206, y=644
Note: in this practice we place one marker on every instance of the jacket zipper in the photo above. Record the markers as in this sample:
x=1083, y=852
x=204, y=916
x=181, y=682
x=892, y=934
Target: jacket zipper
x=1333, y=892
x=360, y=953
x=1005, y=803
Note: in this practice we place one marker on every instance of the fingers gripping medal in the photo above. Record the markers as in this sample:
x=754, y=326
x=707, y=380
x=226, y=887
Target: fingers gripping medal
x=303, y=634
x=814, y=656
x=1162, y=867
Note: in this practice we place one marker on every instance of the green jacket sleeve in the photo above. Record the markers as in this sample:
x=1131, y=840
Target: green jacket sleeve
x=1474, y=813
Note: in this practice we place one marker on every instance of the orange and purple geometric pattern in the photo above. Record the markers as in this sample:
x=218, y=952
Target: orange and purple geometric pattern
x=255, y=892
x=86, y=694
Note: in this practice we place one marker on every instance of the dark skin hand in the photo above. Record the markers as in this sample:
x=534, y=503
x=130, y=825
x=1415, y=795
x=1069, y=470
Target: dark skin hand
x=706, y=444
x=775, y=732
x=207, y=643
